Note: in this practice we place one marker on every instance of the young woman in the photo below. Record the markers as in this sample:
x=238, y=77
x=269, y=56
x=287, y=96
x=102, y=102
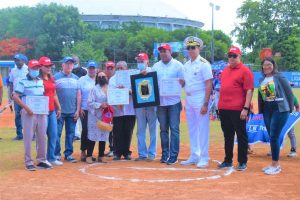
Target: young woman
x=54, y=108
x=97, y=101
x=32, y=123
x=275, y=101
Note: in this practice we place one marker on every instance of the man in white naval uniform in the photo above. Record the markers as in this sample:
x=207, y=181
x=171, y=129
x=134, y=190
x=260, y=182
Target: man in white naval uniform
x=198, y=86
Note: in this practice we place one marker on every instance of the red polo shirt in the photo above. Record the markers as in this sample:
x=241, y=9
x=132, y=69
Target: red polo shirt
x=49, y=86
x=234, y=85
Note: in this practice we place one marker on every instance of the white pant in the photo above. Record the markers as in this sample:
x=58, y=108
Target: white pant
x=198, y=126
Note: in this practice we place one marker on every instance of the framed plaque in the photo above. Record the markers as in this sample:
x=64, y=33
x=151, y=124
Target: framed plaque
x=145, y=91
x=38, y=104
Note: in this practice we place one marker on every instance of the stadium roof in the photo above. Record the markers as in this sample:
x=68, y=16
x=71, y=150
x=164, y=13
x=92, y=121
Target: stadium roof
x=153, y=8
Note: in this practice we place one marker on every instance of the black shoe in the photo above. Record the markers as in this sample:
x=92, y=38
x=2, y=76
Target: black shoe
x=140, y=159
x=127, y=157
x=163, y=160
x=241, y=167
x=172, y=161
x=43, y=165
x=117, y=157
x=18, y=138
x=224, y=165
x=70, y=159
x=30, y=168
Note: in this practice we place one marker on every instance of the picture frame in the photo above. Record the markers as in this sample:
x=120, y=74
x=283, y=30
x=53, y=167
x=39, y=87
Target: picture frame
x=145, y=92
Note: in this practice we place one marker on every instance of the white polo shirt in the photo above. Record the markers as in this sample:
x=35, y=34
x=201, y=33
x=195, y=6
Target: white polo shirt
x=173, y=69
x=124, y=109
x=85, y=83
x=195, y=75
x=17, y=74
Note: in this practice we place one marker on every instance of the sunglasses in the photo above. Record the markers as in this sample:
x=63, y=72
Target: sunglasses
x=92, y=67
x=191, y=47
x=232, y=56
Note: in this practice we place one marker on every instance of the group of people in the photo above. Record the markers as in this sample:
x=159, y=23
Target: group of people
x=72, y=98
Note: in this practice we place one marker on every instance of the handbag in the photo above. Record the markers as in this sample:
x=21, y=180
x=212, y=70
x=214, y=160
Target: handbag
x=105, y=124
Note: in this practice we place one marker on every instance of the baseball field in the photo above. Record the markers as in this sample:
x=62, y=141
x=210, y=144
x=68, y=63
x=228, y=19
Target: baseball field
x=145, y=179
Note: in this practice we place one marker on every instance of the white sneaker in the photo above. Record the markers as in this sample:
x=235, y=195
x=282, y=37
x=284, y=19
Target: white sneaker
x=202, y=164
x=48, y=163
x=265, y=168
x=57, y=163
x=110, y=154
x=292, y=154
x=273, y=170
x=188, y=162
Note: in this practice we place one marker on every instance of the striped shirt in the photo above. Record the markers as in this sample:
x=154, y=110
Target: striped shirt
x=66, y=89
x=30, y=87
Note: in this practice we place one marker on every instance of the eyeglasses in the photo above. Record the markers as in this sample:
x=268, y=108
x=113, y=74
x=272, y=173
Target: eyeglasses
x=232, y=56
x=191, y=47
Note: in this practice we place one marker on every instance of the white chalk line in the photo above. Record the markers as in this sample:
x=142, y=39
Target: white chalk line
x=227, y=172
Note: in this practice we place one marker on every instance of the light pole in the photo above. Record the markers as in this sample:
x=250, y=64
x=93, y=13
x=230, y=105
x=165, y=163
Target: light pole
x=68, y=42
x=213, y=8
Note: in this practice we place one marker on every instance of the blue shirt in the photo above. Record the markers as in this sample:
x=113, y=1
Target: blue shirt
x=66, y=89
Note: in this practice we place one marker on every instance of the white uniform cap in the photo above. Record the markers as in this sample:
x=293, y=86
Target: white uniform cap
x=193, y=41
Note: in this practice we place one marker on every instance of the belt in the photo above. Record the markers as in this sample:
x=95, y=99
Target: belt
x=272, y=100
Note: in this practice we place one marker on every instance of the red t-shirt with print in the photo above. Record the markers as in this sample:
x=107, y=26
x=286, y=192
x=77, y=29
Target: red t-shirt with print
x=49, y=86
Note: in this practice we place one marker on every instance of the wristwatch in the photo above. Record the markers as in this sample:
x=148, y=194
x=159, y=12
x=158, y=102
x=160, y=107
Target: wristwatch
x=246, y=108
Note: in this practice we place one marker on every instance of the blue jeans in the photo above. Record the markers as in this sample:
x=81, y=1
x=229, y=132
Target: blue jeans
x=18, y=121
x=274, y=121
x=69, y=132
x=144, y=116
x=169, y=119
x=52, y=136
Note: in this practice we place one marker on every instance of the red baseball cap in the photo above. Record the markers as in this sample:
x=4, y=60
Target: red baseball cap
x=235, y=50
x=142, y=57
x=165, y=46
x=109, y=64
x=45, y=61
x=33, y=63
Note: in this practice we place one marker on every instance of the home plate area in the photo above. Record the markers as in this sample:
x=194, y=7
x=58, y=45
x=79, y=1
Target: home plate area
x=143, y=171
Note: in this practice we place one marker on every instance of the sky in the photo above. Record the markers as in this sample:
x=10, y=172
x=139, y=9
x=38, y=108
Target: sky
x=224, y=19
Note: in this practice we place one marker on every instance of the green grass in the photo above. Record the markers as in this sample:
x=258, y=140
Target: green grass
x=12, y=152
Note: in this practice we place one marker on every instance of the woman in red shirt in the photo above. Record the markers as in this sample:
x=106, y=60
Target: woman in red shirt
x=54, y=108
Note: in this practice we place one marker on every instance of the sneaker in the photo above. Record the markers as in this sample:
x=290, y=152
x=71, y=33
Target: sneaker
x=18, y=138
x=70, y=159
x=202, y=164
x=128, y=157
x=172, y=161
x=163, y=160
x=57, y=163
x=44, y=165
x=269, y=153
x=89, y=160
x=117, y=158
x=188, y=162
x=224, y=165
x=58, y=158
x=150, y=158
x=241, y=167
x=76, y=138
x=110, y=154
x=140, y=159
x=273, y=170
x=292, y=154
x=266, y=168
x=30, y=168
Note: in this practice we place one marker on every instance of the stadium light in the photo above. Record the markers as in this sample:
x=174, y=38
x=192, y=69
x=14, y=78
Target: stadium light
x=213, y=7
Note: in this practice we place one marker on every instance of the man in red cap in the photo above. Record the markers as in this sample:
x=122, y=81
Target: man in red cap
x=234, y=104
x=32, y=122
x=168, y=113
x=144, y=116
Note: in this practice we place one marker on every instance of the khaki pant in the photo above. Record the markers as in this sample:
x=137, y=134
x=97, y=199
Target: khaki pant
x=34, y=124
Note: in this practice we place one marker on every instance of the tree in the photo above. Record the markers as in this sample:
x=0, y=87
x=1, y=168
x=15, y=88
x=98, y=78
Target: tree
x=270, y=23
x=11, y=46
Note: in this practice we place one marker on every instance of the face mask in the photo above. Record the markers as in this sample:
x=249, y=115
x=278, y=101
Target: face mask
x=76, y=65
x=34, y=73
x=141, y=66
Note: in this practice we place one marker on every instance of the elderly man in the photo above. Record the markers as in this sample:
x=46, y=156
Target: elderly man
x=198, y=86
x=168, y=113
x=70, y=99
x=234, y=105
x=18, y=73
